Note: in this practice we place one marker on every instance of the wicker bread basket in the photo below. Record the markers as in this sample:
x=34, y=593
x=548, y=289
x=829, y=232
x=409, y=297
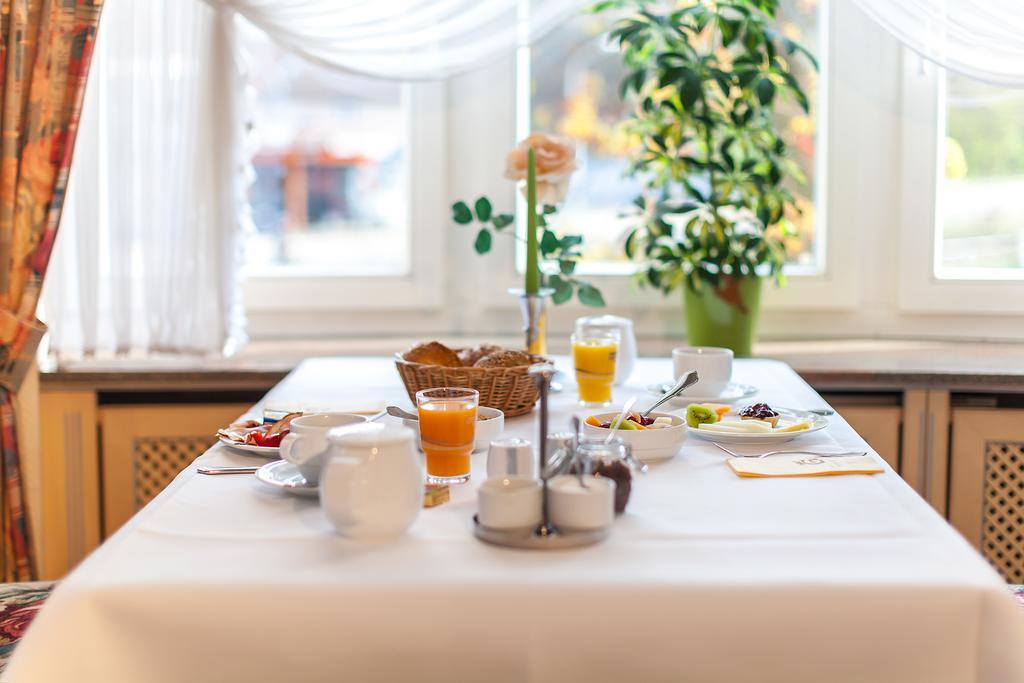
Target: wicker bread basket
x=510, y=390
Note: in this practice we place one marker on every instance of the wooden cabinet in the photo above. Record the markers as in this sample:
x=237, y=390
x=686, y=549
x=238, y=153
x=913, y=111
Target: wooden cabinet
x=986, y=494
x=70, y=472
x=146, y=446
x=101, y=463
x=880, y=427
x=924, y=447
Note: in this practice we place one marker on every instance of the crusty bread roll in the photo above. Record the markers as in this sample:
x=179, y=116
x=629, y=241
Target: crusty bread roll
x=504, y=359
x=432, y=353
x=469, y=357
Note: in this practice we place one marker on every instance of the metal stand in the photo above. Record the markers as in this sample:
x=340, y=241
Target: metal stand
x=546, y=536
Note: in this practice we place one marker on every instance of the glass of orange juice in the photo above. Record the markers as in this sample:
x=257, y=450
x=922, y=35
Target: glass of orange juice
x=594, y=352
x=447, y=430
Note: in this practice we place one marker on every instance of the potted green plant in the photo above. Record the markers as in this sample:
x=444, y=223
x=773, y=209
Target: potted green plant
x=705, y=77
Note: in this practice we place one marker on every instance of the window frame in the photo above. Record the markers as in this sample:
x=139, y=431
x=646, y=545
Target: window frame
x=276, y=294
x=923, y=126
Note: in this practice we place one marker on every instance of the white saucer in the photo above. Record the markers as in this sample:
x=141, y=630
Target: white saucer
x=733, y=393
x=286, y=477
x=787, y=417
x=263, y=451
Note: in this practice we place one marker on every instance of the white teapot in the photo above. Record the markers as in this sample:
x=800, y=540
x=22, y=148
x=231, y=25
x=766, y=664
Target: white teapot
x=372, y=483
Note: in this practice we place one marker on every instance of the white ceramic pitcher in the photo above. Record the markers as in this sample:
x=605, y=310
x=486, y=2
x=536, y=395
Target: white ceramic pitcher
x=306, y=443
x=372, y=484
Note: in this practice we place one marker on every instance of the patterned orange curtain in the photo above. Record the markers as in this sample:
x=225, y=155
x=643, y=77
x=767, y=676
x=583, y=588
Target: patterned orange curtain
x=45, y=49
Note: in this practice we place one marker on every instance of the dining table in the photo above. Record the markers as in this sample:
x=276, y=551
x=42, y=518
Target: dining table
x=707, y=576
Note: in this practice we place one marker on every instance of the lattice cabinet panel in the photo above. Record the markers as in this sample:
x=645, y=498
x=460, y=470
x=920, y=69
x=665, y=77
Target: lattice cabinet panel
x=143, y=447
x=986, y=484
x=158, y=460
x=1002, y=532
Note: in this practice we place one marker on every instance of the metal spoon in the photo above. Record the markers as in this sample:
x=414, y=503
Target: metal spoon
x=395, y=411
x=575, y=450
x=617, y=422
x=685, y=382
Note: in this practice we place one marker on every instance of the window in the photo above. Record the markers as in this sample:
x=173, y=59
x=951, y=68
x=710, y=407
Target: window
x=330, y=190
x=569, y=85
x=979, y=226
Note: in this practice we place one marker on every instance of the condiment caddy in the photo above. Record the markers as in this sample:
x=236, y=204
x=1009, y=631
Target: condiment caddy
x=566, y=506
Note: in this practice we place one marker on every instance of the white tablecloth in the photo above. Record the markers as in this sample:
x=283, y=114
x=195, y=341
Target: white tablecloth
x=707, y=577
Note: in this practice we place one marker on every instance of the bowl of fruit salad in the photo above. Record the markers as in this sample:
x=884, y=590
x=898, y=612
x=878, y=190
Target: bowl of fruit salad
x=658, y=436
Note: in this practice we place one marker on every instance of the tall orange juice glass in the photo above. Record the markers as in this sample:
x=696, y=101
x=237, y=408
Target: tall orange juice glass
x=447, y=430
x=594, y=353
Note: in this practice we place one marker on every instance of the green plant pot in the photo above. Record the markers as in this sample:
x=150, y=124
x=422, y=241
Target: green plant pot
x=724, y=317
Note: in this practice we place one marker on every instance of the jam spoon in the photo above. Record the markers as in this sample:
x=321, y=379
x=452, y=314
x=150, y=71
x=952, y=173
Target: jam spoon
x=685, y=382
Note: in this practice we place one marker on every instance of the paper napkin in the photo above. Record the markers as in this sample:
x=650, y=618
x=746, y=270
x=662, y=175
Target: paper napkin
x=804, y=466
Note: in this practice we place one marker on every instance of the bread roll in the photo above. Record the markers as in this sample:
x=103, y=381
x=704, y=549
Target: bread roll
x=432, y=353
x=505, y=359
x=469, y=357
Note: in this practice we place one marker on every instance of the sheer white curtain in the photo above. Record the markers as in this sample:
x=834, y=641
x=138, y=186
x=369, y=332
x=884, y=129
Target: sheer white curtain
x=983, y=39
x=403, y=39
x=149, y=255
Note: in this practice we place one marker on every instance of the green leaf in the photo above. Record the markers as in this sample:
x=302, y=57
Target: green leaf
x=461, y=213
x=630, y=246
x=548, y=243
x=483, y=241
x=765, y=90
x=483, y=209
x=654, y=277
x=570, y=241
x=502, y=220
x=589, y=295
x=567, y=266
x=562, y=287
x=548, y=208
x=689, y=88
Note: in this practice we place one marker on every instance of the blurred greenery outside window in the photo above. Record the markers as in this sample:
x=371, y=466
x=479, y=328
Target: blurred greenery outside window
x=979, y=221
x=574, y=91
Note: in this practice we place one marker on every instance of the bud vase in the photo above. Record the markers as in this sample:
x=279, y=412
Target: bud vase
x=535, y=318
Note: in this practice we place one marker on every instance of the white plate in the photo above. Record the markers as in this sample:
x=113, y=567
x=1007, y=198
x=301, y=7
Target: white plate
x=263, y=451
x=285, y=476
x=787, y=416
x=733, y=392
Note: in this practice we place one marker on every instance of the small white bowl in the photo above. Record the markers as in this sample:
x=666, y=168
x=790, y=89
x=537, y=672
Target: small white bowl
x=576, y=508
x=490, y=425
x=513, y=503
x=649, y=445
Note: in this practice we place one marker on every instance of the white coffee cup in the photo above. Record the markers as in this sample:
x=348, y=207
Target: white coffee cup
x=510, y=503
x=305, y=446
x=511, y=458
x=713, y=366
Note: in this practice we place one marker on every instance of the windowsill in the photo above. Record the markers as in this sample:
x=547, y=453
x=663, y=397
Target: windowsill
x=838, y=364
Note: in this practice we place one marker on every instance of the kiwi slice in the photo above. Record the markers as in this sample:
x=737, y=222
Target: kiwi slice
x=626, y=425
x=697, y=414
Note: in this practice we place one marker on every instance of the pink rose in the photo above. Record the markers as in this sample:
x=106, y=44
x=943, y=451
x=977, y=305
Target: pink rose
x=555, y=159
